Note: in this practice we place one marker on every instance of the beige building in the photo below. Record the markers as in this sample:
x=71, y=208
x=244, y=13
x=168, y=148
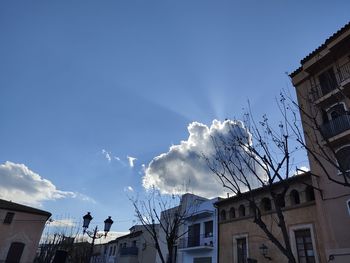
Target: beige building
x=20, y=231
x=136, y=247
x=241, y=240
x=323, y=86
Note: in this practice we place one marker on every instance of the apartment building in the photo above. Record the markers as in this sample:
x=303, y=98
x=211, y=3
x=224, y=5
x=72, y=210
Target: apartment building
x=242, y=241
x=199, y=244
x=322, y=84
x=197, y=241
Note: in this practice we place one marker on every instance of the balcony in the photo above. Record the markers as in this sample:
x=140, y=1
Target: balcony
x=199, y=242
x=331, y=83
x=335, y=126
x=128, y=251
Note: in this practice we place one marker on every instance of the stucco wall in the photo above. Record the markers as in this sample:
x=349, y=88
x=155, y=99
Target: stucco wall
x=25, y=228
x=301, y=214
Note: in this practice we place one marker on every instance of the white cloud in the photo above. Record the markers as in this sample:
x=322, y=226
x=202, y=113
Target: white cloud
x=19, y=184
x=131, y=160
x=107, y=155
x=62, y=223
x=182, y=168
x=301, y=170
x=128, y=189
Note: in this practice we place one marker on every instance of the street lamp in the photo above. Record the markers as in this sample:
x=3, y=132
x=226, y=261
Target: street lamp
x=94, y=234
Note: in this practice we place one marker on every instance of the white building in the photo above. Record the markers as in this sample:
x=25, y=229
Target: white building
x=199, y=244
x=198, y=241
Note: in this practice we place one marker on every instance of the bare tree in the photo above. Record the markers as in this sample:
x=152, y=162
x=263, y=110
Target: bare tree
x=253, y=155
x=61, y=241
x=163, y=217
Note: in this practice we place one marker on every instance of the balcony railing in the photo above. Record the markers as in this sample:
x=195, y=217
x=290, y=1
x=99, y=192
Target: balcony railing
x=335, y=126
x=341, y=74
x=197, y=241
x=128, y=251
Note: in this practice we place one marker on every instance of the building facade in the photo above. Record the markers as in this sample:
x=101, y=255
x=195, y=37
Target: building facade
x=242, y=241
x=136, y=247
x=20, y=231
x=199, y=243
x=322, y=85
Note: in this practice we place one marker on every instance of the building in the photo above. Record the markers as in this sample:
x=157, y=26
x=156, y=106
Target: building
x=110, y=251
x=241, y=240
x=99, y=253
x=197, y=231
x=322, y=84
x=199, y=244
x=20, y=231
x=136, y=247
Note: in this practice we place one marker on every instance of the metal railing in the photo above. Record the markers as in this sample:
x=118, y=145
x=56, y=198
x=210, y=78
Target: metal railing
x=341, y=74
x=197, y=241
x=128, y=251
x=335, y=126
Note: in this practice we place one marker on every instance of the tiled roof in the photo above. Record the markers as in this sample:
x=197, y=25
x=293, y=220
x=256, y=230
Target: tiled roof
x=328, y=40
x=8, y=205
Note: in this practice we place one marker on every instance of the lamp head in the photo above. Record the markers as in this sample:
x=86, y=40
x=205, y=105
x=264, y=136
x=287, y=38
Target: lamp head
x=87, y=219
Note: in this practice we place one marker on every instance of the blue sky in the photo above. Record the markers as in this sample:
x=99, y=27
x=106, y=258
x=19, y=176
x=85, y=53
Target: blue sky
x=83, y=79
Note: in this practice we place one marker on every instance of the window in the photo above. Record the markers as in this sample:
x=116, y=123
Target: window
x=294, y=197
x=304, y=246
x=309, y=194
x=343, y=158
x=280, y=201
x=232, y=213
x=114, y=248
x=241, y=210
x=134, y=243
x=110, y=251
x=327, y=81
x=266, y=204
x=242, y=250
x=336, y=111
x=223, y=215
x=208, y=229
x=194, y=235
x=9, y=217
x=202, y=260
x=348, y=205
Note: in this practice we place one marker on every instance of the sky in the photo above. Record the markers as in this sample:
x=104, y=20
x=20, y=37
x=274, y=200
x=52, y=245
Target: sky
x=101, y=99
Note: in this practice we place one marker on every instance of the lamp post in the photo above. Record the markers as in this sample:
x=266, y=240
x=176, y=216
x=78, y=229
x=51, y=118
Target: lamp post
x=94, y=234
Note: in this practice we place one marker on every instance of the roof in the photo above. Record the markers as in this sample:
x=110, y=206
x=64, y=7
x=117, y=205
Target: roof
x=323, y=46
x=292, y=179
x=131, y=235
x=8, y=205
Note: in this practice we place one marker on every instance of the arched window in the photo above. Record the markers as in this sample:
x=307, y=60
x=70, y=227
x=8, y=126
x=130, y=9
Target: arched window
x=343, y=158
x=265, y=204
x=223, y=215
x=280, y=201
x=309, y=193
x=294, y=197
x=241, y=210
x=232, y=213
